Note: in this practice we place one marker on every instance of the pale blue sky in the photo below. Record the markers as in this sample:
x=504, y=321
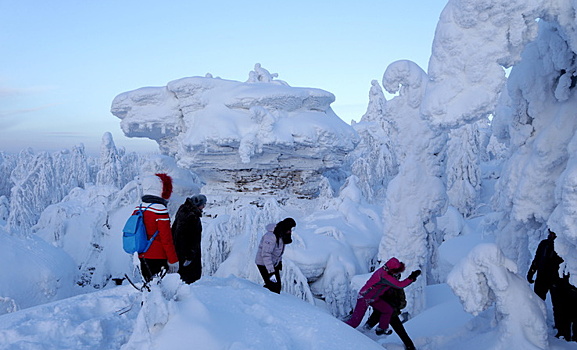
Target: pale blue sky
x=62, y=62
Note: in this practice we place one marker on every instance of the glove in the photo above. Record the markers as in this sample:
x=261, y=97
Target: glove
x=186, y=263
x=273, y=279
x=173, y=268
x=530, y=276
x=279, y=266
x=413, y=276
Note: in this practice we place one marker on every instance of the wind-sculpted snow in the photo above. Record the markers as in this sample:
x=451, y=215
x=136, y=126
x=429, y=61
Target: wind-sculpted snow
x=535, y=191
x=474, y=40
x=487, y=278
x=229, y=131
x=416, y=195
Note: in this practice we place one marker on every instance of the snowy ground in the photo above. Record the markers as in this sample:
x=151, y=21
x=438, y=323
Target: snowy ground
x=229, y=313
x=224, y=312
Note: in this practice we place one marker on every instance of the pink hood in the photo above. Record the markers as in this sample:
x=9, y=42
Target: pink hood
x=394, y=265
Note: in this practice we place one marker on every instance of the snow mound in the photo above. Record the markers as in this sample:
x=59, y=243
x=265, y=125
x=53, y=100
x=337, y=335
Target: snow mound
x=53, y=272
x=485, y=278
x=213, y=313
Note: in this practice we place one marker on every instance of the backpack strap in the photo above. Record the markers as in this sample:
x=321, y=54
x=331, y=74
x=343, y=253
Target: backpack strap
x=155, y=233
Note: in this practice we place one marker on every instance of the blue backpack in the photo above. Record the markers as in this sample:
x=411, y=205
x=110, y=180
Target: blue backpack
x=134, y=238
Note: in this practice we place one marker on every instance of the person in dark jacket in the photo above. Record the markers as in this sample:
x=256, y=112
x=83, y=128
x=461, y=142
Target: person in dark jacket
x=565, y=309
x=546, y=265
x=161, y=255
x=270, y=250
x=187, y=233
x=396, y=298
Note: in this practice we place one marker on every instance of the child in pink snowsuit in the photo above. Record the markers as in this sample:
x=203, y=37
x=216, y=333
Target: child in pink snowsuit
x=379, y=283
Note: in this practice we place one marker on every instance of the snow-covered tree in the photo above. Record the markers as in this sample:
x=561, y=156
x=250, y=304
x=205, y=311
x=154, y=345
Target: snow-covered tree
x=7, y=164
x=536, y=181
x=4, y=209
x=73, y=168
x=36, y=187
x=416, y=196
x=110, y=168
x=373, y=161
x=463, y=173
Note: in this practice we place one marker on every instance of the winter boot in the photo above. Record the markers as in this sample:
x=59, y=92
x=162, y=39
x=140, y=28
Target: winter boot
x=380, y=331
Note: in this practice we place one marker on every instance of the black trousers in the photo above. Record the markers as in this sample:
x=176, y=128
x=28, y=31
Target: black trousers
x=273, y=287
x=151, y=267
x=396, y=324
x=192, y=272
x=542, y=286
x=564, y=300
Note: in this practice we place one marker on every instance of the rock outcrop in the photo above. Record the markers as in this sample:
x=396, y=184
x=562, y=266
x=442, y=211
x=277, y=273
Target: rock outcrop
x=260, y=136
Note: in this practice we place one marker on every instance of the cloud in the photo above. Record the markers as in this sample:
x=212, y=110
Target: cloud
x=12, y=91
x=65, y=134
x=26, y=110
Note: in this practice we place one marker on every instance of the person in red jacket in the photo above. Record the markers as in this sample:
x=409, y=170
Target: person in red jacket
x=380, y=281
x=161, y=254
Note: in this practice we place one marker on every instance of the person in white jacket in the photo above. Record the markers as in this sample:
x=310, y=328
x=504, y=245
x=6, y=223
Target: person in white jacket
x=270, y=251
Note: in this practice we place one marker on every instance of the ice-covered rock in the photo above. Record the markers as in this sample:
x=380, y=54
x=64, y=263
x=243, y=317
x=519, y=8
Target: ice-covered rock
x=256, y=136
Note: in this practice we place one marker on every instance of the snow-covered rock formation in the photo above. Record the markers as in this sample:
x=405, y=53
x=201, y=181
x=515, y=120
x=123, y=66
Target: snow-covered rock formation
x=259, y=136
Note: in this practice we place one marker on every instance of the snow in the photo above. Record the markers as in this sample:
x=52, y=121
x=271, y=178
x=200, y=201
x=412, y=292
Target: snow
x=459, y=174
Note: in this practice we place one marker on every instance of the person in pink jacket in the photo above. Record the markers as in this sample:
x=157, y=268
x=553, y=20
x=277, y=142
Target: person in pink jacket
x=380, y=281
x=270, y=250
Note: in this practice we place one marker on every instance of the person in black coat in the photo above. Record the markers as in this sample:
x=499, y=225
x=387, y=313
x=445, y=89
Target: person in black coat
x=546, y=265
x=565, y=295
x=187, y=232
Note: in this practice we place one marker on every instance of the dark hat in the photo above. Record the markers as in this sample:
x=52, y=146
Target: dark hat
x=289, y=222
x=284, y=226
x=198, y=200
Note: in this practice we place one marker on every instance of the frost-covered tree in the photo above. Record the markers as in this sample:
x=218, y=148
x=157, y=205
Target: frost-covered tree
x=416, y=196
x=373, y=161
x=73, y=168
x=36, y=187
x=131, y=164
x=463, y=173
x=110, y=168
x=535, y=118
x=87, y=224
x=231, y=241
x=4, y=209
x=7, y=164
x=536, y=187
x=376, y=109
x=43, y=179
